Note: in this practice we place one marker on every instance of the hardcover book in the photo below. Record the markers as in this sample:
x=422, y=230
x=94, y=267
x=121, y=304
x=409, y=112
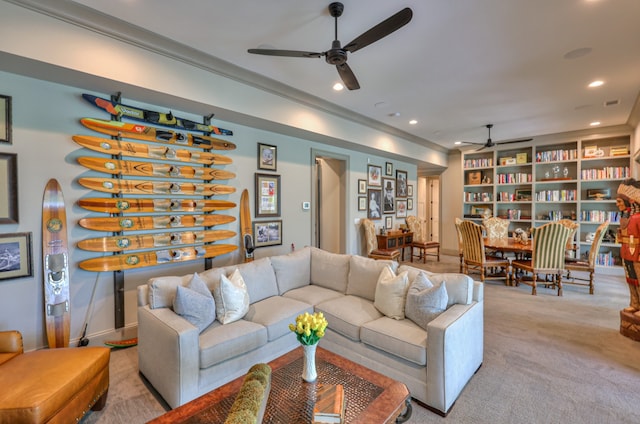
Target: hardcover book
x=330, y=404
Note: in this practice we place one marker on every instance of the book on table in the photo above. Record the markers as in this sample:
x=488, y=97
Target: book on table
x=330, y=404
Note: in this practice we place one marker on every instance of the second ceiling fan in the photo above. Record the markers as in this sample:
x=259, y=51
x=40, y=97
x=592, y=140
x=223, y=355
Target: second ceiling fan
x=337, y=55
x=490, y=143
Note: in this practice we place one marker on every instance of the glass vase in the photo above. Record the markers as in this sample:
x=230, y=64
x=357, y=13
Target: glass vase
x=309, y=373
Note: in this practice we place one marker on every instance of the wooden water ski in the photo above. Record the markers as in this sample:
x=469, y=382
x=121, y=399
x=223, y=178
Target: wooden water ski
x=245, y=226
x=153, y=169
x=144, y=132
x=150, y=241
x=55, y=255
x=131, y=205
x=154, y=222
x=166, y=119
x=155, y=257
x=108, y=185
x=141, y=150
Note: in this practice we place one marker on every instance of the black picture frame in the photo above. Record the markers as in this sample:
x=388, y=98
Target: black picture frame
x=267, y=157
x=9, y=188
x=267, y=233
x=388, y=169
x=5, y=119
x=522, y=194
x=362, y=203
x=599, y=194
x=401, y=183
x=374, y=208
x=388, y=195
x=388, y=222
x=267, y=195
x=15, y=256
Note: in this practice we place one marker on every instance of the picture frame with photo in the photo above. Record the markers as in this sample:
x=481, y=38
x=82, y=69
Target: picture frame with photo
x=388, y=195
x=15, y=256
x=267, y=195
x=401, y=183
x=9, y=188
x=362, y=186
x=374, y=176
x=410, y=190
x=401, y=208
x=410, y=204
x=374, y=206
x=388, y=222
x=267, y=157
x=267, y=233
x=388, y=169
x=362, y=203
x=522, y=195
x=5, y=119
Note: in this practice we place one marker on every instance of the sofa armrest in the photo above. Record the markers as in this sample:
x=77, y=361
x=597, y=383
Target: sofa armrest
x=168, y=354
x=455, y=344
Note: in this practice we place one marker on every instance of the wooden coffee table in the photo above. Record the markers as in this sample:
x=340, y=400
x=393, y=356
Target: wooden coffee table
x=370, y=397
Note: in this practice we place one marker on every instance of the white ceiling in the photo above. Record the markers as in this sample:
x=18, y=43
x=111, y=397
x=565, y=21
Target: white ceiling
x=458, y=65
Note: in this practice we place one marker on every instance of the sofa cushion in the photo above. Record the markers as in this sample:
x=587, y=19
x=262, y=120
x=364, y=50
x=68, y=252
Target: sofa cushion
x=363, y=275
x=292, y=270
x=276, y=313
x=347, y=314
x=329, y=270
x=195, y=303
x=402, y=338
x=425, y=301
x=391, y=291
x=259, y=278
x=219, y=342
x=162, y=290
x=232, y=298
x=459, y=286
x=312, y=294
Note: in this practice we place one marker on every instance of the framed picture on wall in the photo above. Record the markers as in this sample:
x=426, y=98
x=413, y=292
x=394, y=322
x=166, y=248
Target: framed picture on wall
x=5, y=119
x=388, y=169
x=267, y=233
x=388, y=194
x=401, y=183
x=374, y=209
x=388, y=222
x=15, y=259
x=267, y=195
x=410, y=204
x=362, y=186
x=8, y=188
x=362, y=203
x=267, y=157
x=374, y=176
x=410, y=190
x=401, y=208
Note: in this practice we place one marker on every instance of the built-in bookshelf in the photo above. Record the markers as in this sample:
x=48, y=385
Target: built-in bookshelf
x=533, y=185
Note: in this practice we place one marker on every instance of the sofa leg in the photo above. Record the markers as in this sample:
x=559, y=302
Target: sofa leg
x=406, y=414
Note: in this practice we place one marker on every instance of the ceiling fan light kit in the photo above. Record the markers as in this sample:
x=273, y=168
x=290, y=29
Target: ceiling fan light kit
x=337, y=55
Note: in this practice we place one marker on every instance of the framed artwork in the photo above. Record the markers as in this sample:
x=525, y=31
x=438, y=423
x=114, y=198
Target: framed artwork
x=362, y=203
x=15, y=256
x=410, y=190
x=388, y=169
x=388, y=222
x=401, y=183
x=267, y=195
x=267, y=157
x=388, y=193
x=5, y=119
x=401, y=208
x=375, y=197
x=362, y=186
x=522, y=194
x=267, y=233
x=410, y=204
x=374, y=176
x=599, y=194
x=8, y=188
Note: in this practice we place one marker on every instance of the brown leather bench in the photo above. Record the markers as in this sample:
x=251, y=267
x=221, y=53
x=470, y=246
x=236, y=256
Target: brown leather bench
x=50, y=385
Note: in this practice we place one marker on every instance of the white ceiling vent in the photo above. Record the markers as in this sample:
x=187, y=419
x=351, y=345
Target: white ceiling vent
x=608, y=103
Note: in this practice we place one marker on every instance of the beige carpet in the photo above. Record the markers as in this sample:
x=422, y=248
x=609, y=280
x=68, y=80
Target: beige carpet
x=548, y=359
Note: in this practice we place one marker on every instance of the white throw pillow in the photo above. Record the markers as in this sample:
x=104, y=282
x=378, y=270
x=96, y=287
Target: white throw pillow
x=195, y=303
x=232, y=298
x=425, y=301
x=390, y=293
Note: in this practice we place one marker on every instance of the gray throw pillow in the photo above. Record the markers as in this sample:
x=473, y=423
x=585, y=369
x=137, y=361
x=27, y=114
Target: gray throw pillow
x=195, y=303
x=425, y=301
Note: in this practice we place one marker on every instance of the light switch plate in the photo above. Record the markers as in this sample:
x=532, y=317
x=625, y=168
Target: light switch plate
x=306, y=206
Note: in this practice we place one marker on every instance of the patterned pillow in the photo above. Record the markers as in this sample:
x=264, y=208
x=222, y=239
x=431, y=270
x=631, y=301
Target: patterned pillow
x=425, y=301
x=232, y=298
x=390, y=293
x=195, y=303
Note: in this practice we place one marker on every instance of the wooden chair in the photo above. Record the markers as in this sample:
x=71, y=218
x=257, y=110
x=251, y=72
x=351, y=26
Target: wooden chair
x=475, y=256
x=547, y=257
x=372, y=243
x=496, y=228
x=572, y=246
x=460, y=243
x=417, y=242
x=590, y=264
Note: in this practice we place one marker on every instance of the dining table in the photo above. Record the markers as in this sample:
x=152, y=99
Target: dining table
x=509, y=245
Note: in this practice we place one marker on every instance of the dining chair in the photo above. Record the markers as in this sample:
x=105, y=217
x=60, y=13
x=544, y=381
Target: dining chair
x=588, y=265
x=372, y=243
x=458, y=221
x=496, y=228
x=475, y=256
x=419, y=242
x=572, y=246
x=547, y=257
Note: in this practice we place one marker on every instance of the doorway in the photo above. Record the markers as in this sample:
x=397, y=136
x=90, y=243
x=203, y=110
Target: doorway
x=429, y=207
x=330, y=206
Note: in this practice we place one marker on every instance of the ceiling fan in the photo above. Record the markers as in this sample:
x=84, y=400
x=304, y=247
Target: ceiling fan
x=490, y=143
x=337, y=55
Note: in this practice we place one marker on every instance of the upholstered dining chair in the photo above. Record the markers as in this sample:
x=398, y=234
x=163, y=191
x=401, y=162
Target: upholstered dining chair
x=588, y=265
x=496, y=228
x=547, y=257
x=571, y=244
x=475, y=256
x=372, y=243
x=419, y=242
x=460, y=243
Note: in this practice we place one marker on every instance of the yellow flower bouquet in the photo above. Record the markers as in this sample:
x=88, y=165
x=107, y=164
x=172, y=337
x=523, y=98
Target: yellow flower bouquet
x=309, y=328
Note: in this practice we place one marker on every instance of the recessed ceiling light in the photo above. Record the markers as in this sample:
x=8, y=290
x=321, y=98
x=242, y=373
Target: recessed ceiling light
x=596, y=83
x=338, y=86
x=595, y=123
x=413, y=122
x=458, y=142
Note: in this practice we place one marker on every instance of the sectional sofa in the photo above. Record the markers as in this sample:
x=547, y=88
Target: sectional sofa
x=183, y=357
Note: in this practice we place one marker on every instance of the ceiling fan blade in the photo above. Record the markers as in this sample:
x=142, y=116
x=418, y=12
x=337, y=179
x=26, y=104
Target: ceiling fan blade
x=287, y=53
x=348, y=77
x=515, y=141
x=381, y=30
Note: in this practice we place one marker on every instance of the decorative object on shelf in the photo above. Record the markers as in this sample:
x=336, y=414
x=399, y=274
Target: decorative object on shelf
x=374, y=176
x=267, y=195
x=510, y=161
x=267, y=157
x=267, y=233
x=474, y=178
x=401, y=183
x=521, y=158
x=593, y=152
x=9, y=188
x=309, y=329
x=599, y=194
x=522, y=195
x=486, y=179
x=5, y=119
x=618, y=150
x=15, y=256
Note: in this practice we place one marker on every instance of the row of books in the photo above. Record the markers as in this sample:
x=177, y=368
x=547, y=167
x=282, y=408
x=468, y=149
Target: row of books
x=607, y=173
x=556, y=196
x=557, y=155
x=478, y=163
x=600, y=216
x=514, y=178
x=477, y=197
x=607, y=259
